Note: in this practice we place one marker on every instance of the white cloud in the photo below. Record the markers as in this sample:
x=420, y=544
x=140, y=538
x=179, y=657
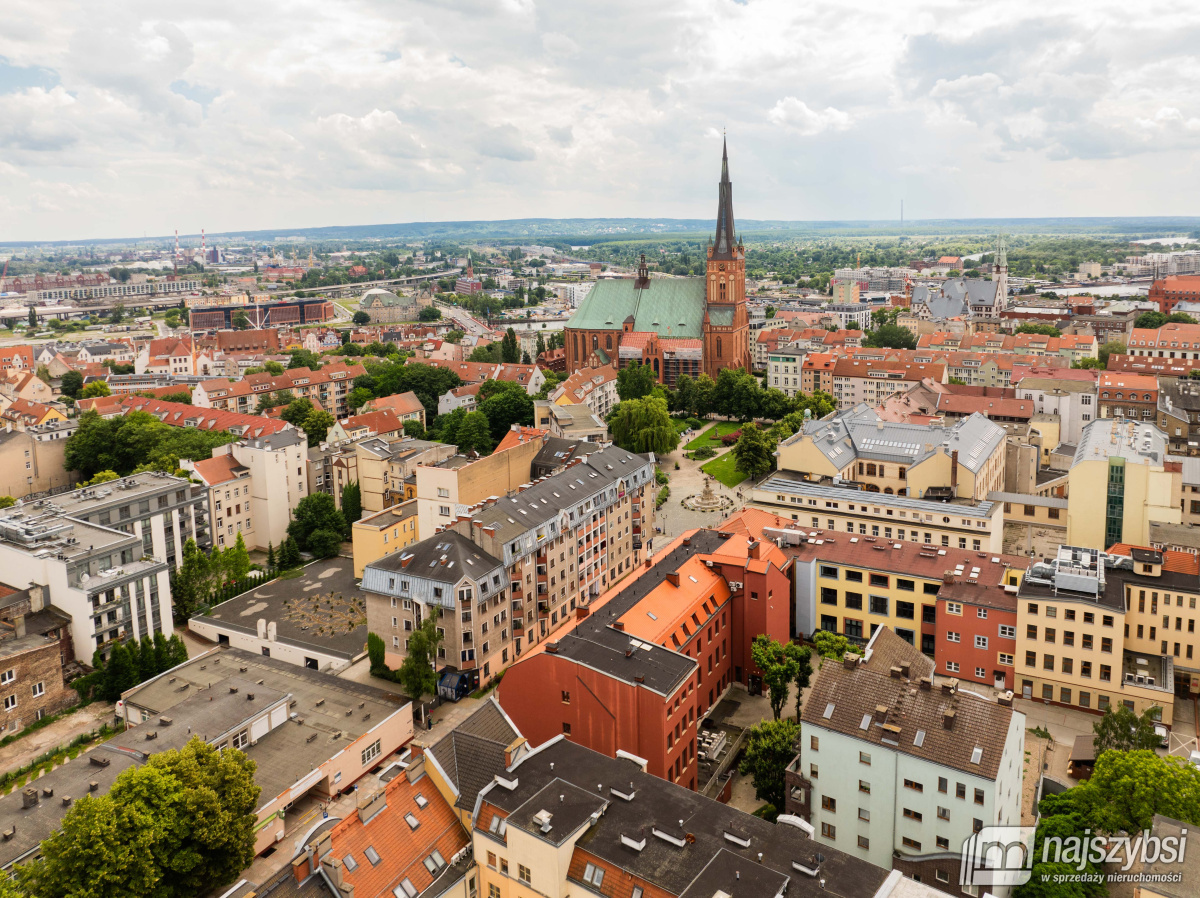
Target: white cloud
x=796, y=114
x=138, y=117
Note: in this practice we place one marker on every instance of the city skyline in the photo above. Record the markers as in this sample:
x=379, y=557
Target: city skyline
x=119, y=122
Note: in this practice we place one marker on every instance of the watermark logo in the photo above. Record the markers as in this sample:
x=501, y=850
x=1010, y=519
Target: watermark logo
x=997, y=856
x=1004, y=856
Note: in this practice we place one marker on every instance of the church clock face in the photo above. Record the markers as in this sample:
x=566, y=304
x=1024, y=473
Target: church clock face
x=721, y=267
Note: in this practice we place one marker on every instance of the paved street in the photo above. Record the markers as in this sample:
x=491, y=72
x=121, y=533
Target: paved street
x=689, y=479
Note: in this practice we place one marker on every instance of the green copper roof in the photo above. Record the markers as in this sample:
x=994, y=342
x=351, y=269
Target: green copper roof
x=721, y=316
x=672, y=307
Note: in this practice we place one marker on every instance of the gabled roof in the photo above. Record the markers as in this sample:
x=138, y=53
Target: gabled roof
x=180, y=414
x=400, y=404
x=220, y=469
x=670, y=307
x=472, y=753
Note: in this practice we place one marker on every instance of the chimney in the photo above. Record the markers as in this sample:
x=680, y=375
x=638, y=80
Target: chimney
x=333, y=868
x=619, y=625
x=905, y=669
x=1006, y=699
x=29, y=798
x=894, y=672
x=948, y=719
x=926, y=684
x=950, y=686
x=673, y=578
x=881, y=712
x=755, y=550
x=849, y=661
x=954, y=473
x=19, y=626
x=37, y=598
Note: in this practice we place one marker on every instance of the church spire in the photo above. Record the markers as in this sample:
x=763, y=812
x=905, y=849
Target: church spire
x=726, y=239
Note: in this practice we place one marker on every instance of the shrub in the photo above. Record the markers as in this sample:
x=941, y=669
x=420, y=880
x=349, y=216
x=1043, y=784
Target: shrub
x=704, y=453
x=659, y=477
x=663, y=495
x=695, y=423
x=730, y=438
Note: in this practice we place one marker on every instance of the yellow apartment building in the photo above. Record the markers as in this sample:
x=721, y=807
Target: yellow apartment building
x=1095, y=629
x=383, y=533
x=1120, y=481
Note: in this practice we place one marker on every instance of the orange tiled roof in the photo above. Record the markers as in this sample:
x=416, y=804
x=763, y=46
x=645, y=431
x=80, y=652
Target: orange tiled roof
x=1178, y=562
x=180, y=414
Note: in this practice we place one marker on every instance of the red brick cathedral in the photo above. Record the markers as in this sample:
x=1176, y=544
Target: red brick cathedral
x=674, y=325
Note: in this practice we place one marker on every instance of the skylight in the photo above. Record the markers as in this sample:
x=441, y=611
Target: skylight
x=828, y=711
x=976, y=755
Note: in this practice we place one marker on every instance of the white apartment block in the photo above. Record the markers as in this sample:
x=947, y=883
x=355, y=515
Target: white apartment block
x=899, y=771
x=104, y=554
x=253, y=487
x=783, y=370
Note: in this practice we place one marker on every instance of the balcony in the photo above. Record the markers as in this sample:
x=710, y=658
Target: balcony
x=518, y=626
x=543, y=607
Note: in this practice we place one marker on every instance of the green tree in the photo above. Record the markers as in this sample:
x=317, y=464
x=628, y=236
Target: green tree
x=429, y=313
x=241, y=321
x=453, y=336
x=120, y=672
x=803, y=676
x=71, y=384
x=237, y=559
x=7, y=501
x=417, y=674
x=510, y=351
x=1048, y=330
x=1060, y=817
x=297, y=412
x=1127, y=788
x=780, y=665
x=358, y=397
x=377, y=654
x=325, y=543
x=832, y=645
x=475, y=434
x=289, y=555
x=304, y=358
x=102, y=477
x=33, y=318
x=1122, y=730
x=1150, y=320
x=754, y=451
x=737, y=394
x=489, y=354
x=178, y=825
x=361, y=318
x=891, y=336
x=315, y=511
x=271, y=562
x=96, y=389
x=770, y=747
x=351, y=505
x=504, y=403
x=541, y=344
x=1112, y=347
x=162, y=653
x=176, y=651
x=317, y=425
x=414, y=428
x=635, y=381
x=644, y=425
x=191, y=584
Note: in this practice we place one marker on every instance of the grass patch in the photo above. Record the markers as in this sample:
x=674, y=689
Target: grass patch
x=680, y=424
x=711, y=438
x=292, y=574
x=724, y=468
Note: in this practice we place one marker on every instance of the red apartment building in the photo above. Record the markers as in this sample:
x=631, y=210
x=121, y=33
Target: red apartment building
x=1171, y=291
x=977, y=626
x=644, y=663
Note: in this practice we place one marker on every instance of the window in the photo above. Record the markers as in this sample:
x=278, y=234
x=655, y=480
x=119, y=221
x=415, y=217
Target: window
x=864, y=786
x=879, y=605
x=814, y=743
x=525, y=876
x=880, y=580
x=943, y=842
x=912, y=784
x=350, y=862
x=412, y=821
x=38, y=690
x=943, y=813
x=864, y=842
x=828, y=595
x=913, y=815
x=828, y=831
x=7, y=677
x=943, y=784
x=864, y=758
x=951, y=636
x=952, y=666
x=953, y=608
x=1008, y=632
x=812, y=771
x=370, y=753
x=828, y=803
x=407, y=890
x=828, y=572
x=854, y=576
x=981, y=642
x=1006, y=659
x=854, y=601
x=960, y=790
x=978, y=796
x=593, y=875
x=911, y=843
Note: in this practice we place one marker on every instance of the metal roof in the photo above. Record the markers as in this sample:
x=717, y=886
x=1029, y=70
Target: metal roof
x=670, y=307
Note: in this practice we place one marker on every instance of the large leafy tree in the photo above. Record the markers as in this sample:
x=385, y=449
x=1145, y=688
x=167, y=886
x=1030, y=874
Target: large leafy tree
x=1061, y=817
x=191, y=583
x=510, y=348
x=135, y=441
x=1123, y=730
x=635, y=381
x=177, y=826
x=417, y=673
x=361, y=318
x=780, y=666
x=891, y=336
x=297, y=412
x=1127, y=788
x=96, y=389
x=314, y=512
x=770, y=747
x=317, y=425
x=754, y=451
x=71, y=384
x=833, y=645
x=474, y=434
x=644, y=425
x=236, y=560
x=504, y=403
x=387, y=378
x=737, y=394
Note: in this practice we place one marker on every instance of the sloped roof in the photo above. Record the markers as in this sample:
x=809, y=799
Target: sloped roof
x=670, y=307
x=220, y=469
x=473, y=751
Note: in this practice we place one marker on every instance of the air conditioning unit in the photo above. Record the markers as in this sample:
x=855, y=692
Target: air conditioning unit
x=1141, y=678
x=1149, y=681
x=1129, y=678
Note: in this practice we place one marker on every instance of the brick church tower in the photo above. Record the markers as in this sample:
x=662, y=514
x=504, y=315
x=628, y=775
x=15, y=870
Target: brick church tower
x=726, y=323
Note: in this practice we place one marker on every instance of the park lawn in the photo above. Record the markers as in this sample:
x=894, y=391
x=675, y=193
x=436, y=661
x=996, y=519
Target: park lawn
x=724, y=468
x=680, y=424
x=711, y=438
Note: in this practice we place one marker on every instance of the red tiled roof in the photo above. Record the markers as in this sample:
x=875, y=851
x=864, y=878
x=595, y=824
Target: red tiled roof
x=16, y=356
x=401, y=849
x=216, y=470
x=517, y=436
x=400, y=404
x=180, y=414
x=376, y=422
x=1178, y=562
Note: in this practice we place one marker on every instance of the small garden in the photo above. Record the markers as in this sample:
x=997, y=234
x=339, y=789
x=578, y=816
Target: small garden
x=56, y=757
x=724, y=468
x=711, y=438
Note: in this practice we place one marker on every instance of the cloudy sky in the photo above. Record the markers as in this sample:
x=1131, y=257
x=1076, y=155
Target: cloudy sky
x=118, y=119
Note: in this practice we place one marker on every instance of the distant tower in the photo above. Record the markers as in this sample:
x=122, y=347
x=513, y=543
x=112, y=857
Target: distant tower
x=175, y=261
x=203, y=249
x=1001, y=274
x=726, y=322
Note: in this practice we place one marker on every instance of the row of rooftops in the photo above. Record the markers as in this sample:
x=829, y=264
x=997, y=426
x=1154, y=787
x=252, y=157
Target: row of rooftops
x=861, y=432
x=537, y=513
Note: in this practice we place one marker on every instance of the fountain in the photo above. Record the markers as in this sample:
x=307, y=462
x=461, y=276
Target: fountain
x=707, y=500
